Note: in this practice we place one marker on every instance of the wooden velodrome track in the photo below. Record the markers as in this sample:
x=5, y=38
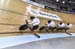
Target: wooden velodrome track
x=13, y=14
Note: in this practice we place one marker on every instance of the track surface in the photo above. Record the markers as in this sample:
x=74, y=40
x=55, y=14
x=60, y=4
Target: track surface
x=55, y=43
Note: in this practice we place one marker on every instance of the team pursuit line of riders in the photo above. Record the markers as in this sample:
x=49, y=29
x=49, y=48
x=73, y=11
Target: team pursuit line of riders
x=33, y=23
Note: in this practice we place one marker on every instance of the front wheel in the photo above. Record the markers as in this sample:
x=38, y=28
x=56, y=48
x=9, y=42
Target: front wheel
x=23, y=27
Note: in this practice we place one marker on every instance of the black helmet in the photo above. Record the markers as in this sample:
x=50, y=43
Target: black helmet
x=60, y=23
x=68, y=23
x=49, y=21
x=32, y=17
